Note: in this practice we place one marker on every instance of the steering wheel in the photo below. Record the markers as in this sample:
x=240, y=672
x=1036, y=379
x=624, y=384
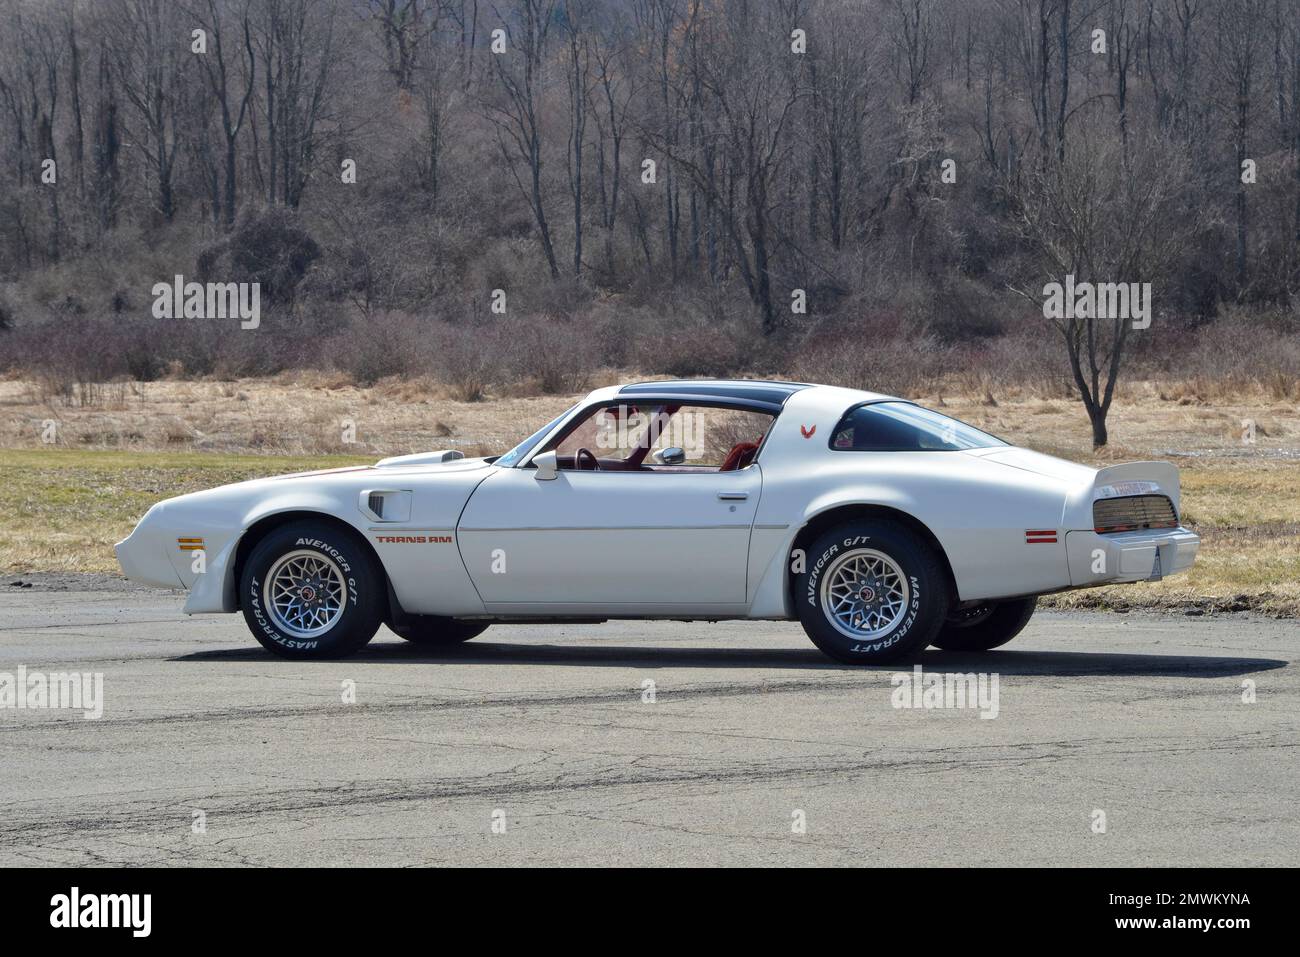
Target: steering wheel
x=584, y=460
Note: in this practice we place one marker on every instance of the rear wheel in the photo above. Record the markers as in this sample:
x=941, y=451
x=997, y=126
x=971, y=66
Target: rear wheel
x=872, y=592
x=985, y=626
x=434, y=630
x=311, y=590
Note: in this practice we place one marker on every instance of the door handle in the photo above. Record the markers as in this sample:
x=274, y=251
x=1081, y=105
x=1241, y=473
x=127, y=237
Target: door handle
x=733, y=496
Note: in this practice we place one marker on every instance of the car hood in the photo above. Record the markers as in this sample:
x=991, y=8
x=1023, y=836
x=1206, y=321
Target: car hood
x=421, y=462
x=1038, y=463
x=302, y=488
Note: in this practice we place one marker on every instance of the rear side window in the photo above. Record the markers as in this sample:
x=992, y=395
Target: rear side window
x=903, y=427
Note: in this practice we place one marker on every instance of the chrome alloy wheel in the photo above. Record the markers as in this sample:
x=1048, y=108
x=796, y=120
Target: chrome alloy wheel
x=865, y=594
x=305, y=593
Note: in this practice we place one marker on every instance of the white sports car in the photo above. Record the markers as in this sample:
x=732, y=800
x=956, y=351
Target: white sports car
x=882, y=526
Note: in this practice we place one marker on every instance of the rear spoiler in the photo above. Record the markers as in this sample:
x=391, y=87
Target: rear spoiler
x=1138, y=478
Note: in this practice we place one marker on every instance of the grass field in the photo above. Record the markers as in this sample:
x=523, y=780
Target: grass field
x=65, y=509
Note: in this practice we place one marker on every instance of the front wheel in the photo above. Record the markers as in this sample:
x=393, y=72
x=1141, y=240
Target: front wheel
x=872, y=592
x=985, y=626
x=434, y=630
x=311, y=590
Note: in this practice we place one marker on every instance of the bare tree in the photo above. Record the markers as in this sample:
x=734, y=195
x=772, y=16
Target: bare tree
x=405, y=25
x=107, y=145
x=431, y=62
x=515, y=108
x=218, y=67
x=73, y=46
x=1090, y=219
x=41, y=65
x=1239, y=42
x=912, y=35
x=578, y=76
x=149, y=41
x=296, y=42
x=736, y=64
x=612, y=97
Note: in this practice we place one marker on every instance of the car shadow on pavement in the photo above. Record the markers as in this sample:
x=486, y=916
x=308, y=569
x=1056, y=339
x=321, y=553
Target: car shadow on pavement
x=1004, y=662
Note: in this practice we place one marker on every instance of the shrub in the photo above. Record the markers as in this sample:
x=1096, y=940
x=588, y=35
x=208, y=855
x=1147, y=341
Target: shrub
x=266, y=246
x=559, y=355
x=374, y=348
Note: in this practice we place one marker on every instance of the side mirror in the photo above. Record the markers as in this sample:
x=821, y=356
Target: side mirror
x=670, y=456
x=547, y=466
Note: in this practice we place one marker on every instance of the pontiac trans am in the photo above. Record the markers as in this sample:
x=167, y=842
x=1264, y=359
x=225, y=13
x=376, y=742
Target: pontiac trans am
x=883, y=527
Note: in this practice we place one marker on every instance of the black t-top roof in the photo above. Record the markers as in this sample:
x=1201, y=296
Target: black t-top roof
x=758, y=392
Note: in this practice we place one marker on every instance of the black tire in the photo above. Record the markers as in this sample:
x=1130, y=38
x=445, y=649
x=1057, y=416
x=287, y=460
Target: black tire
x=923, y=595
x=434, y=630
x=340, y=552
x=982, y=628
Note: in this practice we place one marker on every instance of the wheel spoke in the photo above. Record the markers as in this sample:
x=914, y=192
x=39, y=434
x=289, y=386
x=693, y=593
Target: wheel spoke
x=305, y=593
x=865, y=594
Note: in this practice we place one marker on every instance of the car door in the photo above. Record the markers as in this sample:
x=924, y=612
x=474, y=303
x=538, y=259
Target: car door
x=611, y=542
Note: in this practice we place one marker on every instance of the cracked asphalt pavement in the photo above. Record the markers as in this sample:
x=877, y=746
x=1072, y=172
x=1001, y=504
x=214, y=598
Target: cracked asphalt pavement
x=549, y=728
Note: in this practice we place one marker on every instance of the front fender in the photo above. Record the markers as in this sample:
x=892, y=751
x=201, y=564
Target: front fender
x=193, y=540
x=213, y=591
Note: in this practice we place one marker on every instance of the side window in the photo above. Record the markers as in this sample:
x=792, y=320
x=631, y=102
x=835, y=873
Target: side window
x=637, y=438
x=611, y=433
x=903, y=427
x=712, y=437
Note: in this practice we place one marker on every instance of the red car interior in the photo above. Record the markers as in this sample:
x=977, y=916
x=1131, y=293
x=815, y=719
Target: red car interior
x=741, y=454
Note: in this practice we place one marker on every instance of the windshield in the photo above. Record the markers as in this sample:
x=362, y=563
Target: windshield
x=903, y=427
x=526, y=446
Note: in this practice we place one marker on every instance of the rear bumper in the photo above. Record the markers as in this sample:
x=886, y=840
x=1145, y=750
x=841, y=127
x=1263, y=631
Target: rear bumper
x=1129, y=556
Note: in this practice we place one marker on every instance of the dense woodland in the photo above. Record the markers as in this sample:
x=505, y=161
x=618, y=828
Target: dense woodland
x=865, y=191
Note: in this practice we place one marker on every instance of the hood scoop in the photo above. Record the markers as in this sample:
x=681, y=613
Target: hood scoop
x=421, y=458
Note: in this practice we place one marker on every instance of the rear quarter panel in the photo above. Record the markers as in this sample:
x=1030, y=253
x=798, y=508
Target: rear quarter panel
x=977, y=510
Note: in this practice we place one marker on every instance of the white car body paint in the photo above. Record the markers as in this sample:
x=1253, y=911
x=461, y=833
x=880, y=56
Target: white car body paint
x=700, y=545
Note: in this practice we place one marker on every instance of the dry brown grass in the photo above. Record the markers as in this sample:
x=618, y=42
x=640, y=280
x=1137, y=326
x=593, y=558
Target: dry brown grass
x=306, y=414
x=1146, y=421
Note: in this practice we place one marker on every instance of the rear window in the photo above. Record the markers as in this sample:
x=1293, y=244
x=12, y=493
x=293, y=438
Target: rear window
x=903, y=427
